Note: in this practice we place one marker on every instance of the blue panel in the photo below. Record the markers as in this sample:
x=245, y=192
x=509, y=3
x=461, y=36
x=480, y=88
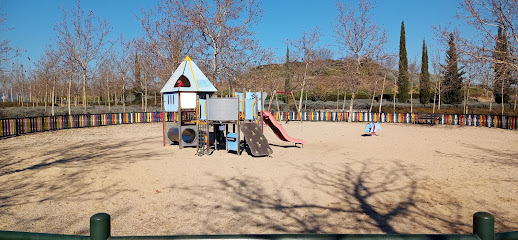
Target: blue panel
x=232, y=141
x=171, y=102
x=256, y=96
x=378, y=126
x=203, y=109
x=252, y=95
x=250, y=109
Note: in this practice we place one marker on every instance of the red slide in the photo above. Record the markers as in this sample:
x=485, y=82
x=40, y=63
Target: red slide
x=278, y=130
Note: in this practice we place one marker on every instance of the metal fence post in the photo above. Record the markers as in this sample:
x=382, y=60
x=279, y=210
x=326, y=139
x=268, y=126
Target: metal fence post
x=100, y=226
x=484, y=225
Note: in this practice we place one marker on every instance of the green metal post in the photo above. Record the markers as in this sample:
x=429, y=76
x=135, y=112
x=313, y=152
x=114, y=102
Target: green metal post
x=100, y=226
x=484, y=225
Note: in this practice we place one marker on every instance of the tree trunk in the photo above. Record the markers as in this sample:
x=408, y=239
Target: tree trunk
x=439, y=102
x=467, y=97
x=303, y=85
x=46, y=94
x=515, y=98
x=53, y=92
x=30, y=95
x=373, y=94
x=345, y=97
x=84, y=90
x=215, y=63
x=108, y=94
x=502, y=96
x=337, y=98
x=491, y=103
x=145, y=92
x=395, y=94
x=306, y=102
x=350, y=118
x=68, y=96
x=123, y=98
x=411, y=101
x=434, y=96
x=382, y=91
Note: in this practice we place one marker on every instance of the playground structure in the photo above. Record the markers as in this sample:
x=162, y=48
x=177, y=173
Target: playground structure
x=202, y=120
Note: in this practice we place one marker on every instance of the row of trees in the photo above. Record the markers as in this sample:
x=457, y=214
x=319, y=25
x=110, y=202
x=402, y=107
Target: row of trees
x=494, y=24
x=87, y=63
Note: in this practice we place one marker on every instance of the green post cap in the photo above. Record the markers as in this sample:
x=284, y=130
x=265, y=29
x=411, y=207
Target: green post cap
x=100, y=226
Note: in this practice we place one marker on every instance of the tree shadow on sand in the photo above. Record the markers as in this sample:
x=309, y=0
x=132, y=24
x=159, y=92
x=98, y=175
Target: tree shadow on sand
x=498, y=157
x=64, y=174
x=358, y=198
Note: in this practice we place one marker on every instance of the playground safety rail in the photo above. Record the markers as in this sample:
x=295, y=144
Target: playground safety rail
x=18, y=126
x=100, y=229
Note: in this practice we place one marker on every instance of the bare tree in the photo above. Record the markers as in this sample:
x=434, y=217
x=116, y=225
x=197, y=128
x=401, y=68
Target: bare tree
x=107, y=73
x=437, y=90
x=359, y=36
x=122, y=65
x=145, y=69
x=7, y=52
x=306, y=46
x=388, y=62
x=81, y=38
x=48, y=69
x=170, y=39
x=486, y=17
x=222, y=27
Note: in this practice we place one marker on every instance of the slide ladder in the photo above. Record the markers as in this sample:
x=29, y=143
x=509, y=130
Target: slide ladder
x=202, y=147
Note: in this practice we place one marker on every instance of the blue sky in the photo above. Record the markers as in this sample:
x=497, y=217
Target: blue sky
x=33, y=21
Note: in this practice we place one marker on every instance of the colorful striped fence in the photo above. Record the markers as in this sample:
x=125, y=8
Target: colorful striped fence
x=506, y=122
x=17, y=126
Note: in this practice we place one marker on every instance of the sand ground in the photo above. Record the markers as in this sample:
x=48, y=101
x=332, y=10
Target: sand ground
x=410, y=179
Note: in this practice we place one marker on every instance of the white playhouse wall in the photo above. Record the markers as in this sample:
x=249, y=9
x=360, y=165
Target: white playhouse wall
x=187, y=99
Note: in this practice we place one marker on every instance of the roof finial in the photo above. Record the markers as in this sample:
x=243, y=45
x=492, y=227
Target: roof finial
x=187, y=58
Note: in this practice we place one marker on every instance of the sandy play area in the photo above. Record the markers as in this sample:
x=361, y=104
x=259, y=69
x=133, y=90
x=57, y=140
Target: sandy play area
x=410, y=179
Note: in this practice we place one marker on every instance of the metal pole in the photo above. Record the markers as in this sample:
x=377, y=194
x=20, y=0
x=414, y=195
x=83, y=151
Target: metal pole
x=180, y=120
x=484, y=225
x=100, y=226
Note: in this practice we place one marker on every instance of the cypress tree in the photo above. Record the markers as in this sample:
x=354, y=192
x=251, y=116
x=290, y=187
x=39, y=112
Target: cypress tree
x=502, y=71
x=452, y=75
x=403, y=82
x=424, y=83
